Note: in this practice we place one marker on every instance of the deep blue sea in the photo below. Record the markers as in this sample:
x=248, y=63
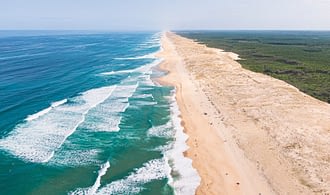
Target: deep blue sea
x=81, y=113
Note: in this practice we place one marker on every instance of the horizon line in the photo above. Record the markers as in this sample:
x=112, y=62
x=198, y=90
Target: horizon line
x=159, y=30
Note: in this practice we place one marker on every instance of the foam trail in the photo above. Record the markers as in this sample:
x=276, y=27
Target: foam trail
x=58, y=103
x=45, y=111
x=161, y=130
x=152, y=170
x=73, y=157
x=146, y=69
x=37, y=140
x=154, y=41
x=92, y=190
x=148, y=56
x=189, y=179
x=117, y=72
x=147, y=46
x=142, y=96
x=147, y=79
x=107, y=116
x=145, y=103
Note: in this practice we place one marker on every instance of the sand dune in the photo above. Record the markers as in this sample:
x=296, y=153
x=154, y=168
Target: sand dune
x=249, y=133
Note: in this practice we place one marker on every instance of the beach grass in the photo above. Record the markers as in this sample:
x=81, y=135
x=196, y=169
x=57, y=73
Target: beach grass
x=301, y=58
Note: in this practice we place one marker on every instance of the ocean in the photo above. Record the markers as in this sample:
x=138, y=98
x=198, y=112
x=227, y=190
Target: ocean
x=81, y=113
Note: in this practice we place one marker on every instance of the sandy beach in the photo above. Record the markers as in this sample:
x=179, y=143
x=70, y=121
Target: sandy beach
x=248, y=133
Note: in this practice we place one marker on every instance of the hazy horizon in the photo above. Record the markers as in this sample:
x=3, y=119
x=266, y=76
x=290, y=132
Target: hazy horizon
x=144, y=15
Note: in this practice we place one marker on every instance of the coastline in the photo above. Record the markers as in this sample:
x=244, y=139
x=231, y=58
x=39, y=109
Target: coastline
x=204, y=146
x=231, y=129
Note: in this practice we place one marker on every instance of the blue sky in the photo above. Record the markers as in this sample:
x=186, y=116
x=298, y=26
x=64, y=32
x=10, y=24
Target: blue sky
x=164, y=14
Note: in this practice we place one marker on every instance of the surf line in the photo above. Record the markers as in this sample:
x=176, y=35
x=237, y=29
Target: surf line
x=37, y=140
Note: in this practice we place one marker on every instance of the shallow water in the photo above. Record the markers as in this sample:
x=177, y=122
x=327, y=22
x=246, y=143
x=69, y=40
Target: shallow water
x=80, y=114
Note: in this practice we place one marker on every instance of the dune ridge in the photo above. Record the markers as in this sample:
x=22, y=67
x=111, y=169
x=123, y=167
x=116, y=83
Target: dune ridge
x=248, y=133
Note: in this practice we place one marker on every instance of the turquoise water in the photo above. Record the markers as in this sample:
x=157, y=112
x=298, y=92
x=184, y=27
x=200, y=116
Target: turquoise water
x=81, y=114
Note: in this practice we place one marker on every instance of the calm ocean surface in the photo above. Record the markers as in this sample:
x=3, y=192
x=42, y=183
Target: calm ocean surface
x=80, y=114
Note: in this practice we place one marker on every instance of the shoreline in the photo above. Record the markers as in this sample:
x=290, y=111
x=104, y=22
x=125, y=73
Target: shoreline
x=211, y=175
x=189, y=179
x=231, y=142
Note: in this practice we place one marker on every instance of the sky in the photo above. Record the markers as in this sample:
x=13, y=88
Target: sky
x=165, y=14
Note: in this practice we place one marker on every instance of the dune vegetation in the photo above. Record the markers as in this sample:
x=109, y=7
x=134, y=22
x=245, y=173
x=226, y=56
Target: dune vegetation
x=299, y=58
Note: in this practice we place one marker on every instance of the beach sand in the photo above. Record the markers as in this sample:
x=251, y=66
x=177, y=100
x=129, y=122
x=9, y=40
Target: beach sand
x=248, y=133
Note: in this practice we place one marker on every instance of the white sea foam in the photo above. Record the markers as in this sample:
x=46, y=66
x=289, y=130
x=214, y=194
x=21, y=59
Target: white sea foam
x=147, y=45
x=154, y=41
x=38, y=114
x=96, y=96
x=148, y=81
x=163, y=148
x=142, y=96
x=37, y=140
x=107, y=116
x=147, y=56
x=58, y=103
x=93, y=189
x=188, y=179
x=146, y=69
x=45, y=111
x=152, y=170
x=161, y=130
x=145, y=103
x=117, y=72
x=75, y=157
x=86, y=45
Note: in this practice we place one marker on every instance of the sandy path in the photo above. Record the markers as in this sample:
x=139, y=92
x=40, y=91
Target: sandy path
x=248, y=133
